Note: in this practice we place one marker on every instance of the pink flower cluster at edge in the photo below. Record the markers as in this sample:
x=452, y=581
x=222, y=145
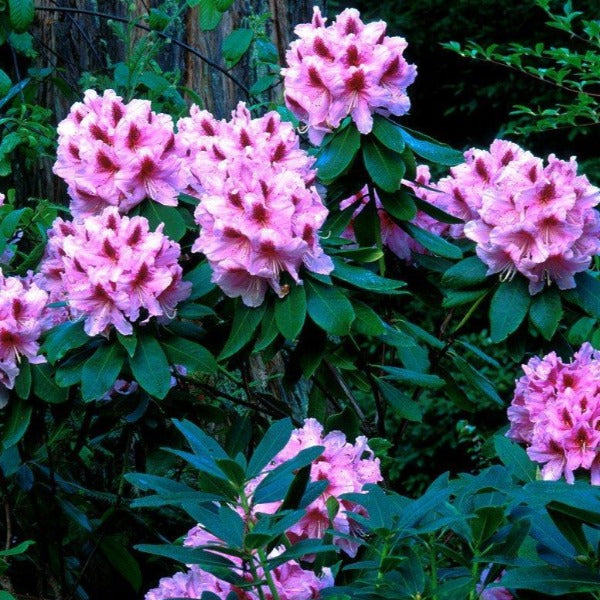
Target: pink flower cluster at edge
x=556, y=412
x=348, y=68
x=486, y=593
x=393, y=236
x=24, y=316
x=347, y=469
x=290, y=579
x=259, y=212
x=112, y=153
x=526, y=217
x=112, y=270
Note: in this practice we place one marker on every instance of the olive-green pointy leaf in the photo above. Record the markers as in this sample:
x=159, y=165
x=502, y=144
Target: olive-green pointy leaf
x=554, y=581
x=365, y=279
x=588, y=291
x=385, y=167
x=62, y=338
x=434, y=243
x=508, y=308
x=337, y=156
x=546, y=311
x=174, y=225
x=466, y=273
x=388, y=133
x=329, y=308
x=245, y=323
x=290, y=312
x=150, y=367
x=236, y=44
x=101, y=370
x=17, y=423
x=430, y=149
x=400, y=205
x=193, y=356
x=276, y=437
x=210, y=16
x=21, y=13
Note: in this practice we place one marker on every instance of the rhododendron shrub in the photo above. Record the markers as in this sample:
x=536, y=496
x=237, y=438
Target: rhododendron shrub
x=112, y=153
x=23, y=318
x=555, y=412
x=346, y=69
x=525, y=217
x=113, y=271
x=259, y=212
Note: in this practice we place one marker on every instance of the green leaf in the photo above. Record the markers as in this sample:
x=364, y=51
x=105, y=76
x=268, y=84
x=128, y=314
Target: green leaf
x=129, y=342
x=329, y=308
x=200, y=278
x=414, y=378
x=236, y=44
x=245, y=323
x=515, y=459
x=174, y=225
x=400, y=205
x=193, y=356
x=23, y=380
x=388, y=133
x=466, y=273
x=62, y=338
x=546, y=311
x=588, y=291
x=100, y=371
x=17, y=423
x=430, y=149
x=405, y=407
x=276, y=437
x=45, y=387
x=290, y=312
x=337, y=156
x=365, y=279
x=477, y=380
x=268, y=330
x=385, y=167
x=115, y=550
x=150, y=367
x=508, y=308
x=5, y=83
x=554, y=581
x=435, y=212
x=21, y=13
x=210, y=15
x=434, y=243
x=367, y=321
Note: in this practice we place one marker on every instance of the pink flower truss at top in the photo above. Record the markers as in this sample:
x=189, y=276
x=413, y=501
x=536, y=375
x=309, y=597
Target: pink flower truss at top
x=259, y=213
x=498, y=593
x=348, y=68
x=556, y=411
x=347, y=468
x=393, y=236
x=290, y=579
x=525, y=217
x=23, y=318
x=115, y=154
x=112, y=269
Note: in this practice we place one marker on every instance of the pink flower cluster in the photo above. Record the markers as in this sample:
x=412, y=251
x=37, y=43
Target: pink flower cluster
x=347, y=469
x=115, y=154
x=486, y=593
x=112, y=269
x=393, y=236
x=348, y=68
x=556, y=412
x=291, y=581
x=23, y=318
x=525, y=217
x=259, y=213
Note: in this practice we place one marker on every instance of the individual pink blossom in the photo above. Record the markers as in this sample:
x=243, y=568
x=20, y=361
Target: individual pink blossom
x=392, y=235
x=346, y=69
x=24, y=316
x=525, y=217
x=112, y=271
x=556, y=412
x=486, y=593
x=259, y=212
x=112, y=153
x=347, y=469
